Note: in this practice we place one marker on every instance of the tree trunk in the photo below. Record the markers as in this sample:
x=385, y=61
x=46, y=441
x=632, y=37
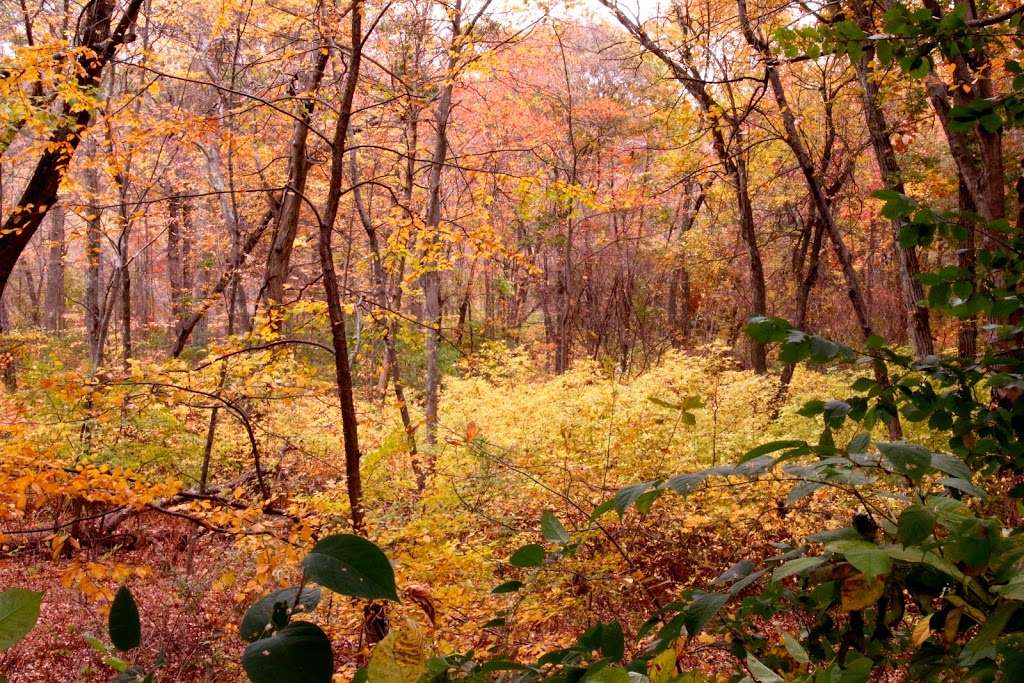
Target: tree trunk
x=918, y=323
x=287, y=224
x=94, y=263
x=430, y=281
x=343, y=374
x=54, y=319
x=821, y=201
x=967, y=328
x=174, y=261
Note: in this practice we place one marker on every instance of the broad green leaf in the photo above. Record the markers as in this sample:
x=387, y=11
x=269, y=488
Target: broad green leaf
x=760, y=672
x=704, y=605
x=858, y=592
x=353, y=566
x=298, y=653
x=613, y=644
x=963, y=485
x=909, y=459
x=797, y=566
x=795, y=649
x=662, y=668
x=607, y=674
x=1014, y=590
x=983, y=644
x=19, y=611
x=552, y=529
x=123, y=623
x=399, y=658
x=865, y=556
x=530, y=555
x=951, y=465
x=857, y=670
x=258, y=619
x=770, y=447
x=915, y=524
x=765, y=330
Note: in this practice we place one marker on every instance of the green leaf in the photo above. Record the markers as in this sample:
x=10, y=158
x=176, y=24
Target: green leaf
x=123, y=623
x=983, y=644
x=765, y=330
x=797, y=566
x=1014, y=590
x=507, y=587
x=795, y=650
x=702, y=608
x=530, y=555
x=770, y=447
x=258, y=619
x=909, y=459
x=863, y=555
x=613, y=644
x=760, y=672
x=963, y=485
x=857, y=670
x=607, y=674
x=353, y=566
x=298, y=653
x=916, y=523
x=19, y=611
x=951, y=465
x=552, y=529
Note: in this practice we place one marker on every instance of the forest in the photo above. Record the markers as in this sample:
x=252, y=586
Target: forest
x=524, y=341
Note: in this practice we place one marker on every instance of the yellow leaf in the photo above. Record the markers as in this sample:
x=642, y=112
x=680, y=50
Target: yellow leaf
x=922, y=630
x=399, y=658
x=858, y=593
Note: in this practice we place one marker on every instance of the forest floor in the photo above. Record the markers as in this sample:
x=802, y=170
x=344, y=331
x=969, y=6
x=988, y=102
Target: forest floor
x=566, y=445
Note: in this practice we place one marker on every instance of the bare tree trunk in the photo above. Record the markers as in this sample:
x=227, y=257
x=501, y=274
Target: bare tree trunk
x=967, y=329
x=343, y=374
x=94, y=261
x=174, y=261
x=126, y=299
x=918, y=323
x=55, y=271
x=821, y=201
x=803, y=298
x=188, y=283
x=287, y=225
x=430, y=281
x=35, y=310
x=8, y=368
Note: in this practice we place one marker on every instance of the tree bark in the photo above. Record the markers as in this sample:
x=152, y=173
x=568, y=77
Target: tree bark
x=821, y=201
x=174, y=261
x=967, y=329
x=54, y=302
x=918, y=323
x=287, y=224
x=343, y=374
x=430, y=281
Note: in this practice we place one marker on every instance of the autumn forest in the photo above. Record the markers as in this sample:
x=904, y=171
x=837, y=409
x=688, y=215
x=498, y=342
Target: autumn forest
x=581, y=341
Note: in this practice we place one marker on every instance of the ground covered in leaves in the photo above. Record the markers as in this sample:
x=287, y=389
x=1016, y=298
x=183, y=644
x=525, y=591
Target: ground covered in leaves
x=508, y=455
